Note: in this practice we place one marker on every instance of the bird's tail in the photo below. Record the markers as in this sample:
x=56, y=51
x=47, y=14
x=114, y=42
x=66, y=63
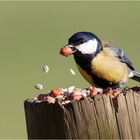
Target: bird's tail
x=136, y=76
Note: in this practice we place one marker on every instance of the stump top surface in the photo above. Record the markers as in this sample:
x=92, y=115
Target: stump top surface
x=81, y=94
x=92, y=117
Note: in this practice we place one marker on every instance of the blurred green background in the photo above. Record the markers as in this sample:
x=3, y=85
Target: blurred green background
x=31, y=35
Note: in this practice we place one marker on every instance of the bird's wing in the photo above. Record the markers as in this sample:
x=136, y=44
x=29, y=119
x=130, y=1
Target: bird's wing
x=118, y=53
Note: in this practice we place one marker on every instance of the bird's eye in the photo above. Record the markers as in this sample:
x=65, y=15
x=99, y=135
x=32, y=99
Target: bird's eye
x=79, y=41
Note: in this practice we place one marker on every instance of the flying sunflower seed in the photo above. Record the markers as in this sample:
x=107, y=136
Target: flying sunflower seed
x=46, y=69
x=72, y=72
x=38, y=86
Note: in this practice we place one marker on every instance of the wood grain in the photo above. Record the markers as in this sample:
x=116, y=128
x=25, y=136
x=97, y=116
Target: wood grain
x=98, y=117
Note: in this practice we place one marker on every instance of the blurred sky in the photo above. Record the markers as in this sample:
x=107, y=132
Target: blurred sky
x=31, y=35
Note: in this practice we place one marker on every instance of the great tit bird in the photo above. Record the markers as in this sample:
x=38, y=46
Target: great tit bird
x=101, y=64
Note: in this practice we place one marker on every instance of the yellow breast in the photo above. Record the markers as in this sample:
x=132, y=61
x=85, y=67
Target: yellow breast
x=108, y=67
x=85, y=75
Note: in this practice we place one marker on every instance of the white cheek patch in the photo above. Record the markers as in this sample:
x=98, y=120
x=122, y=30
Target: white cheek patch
x=88, y=47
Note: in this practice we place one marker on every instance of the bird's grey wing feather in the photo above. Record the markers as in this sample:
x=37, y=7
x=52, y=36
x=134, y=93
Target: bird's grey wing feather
x=119, y=54
x=123, y=58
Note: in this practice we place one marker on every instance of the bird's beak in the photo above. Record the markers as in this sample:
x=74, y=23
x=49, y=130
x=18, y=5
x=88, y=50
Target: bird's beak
x=67, y=50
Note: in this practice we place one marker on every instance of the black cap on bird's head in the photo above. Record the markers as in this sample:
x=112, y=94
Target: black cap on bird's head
x=83, y=42
x=81, y=37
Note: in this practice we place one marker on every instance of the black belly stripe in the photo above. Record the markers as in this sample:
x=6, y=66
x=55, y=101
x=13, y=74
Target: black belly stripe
x=84, y=61
x=102, y=82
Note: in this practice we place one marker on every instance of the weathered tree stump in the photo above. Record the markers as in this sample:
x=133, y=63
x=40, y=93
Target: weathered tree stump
x=98, y=117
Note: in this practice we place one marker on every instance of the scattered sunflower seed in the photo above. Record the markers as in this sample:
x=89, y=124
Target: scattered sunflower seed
x=70, y=89
x=38, y=86
x=72, y=72
x=67, y=101
x=46, y=69
x=59, y=97
x=99, y=90
x=50, y=99
x=84, y=93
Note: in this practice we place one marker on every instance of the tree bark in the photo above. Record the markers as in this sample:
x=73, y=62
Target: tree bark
x=98, y=117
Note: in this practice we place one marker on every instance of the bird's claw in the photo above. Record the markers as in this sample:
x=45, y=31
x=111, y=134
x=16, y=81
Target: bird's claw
x=111, y=92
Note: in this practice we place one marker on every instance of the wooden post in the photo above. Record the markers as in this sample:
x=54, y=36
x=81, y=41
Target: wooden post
x=99, y=117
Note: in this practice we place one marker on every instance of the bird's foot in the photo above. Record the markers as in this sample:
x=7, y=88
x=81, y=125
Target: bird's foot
x=112, y=92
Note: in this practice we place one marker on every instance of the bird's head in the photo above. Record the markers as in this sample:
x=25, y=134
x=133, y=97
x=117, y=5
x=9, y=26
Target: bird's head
x=82, y=42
